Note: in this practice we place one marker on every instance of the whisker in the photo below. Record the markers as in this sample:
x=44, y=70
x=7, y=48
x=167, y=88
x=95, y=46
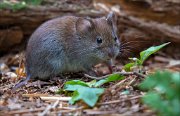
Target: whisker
x=130, y=47
x=126, y=49
x=126, y=52
x=135, y=41
x=130, y=42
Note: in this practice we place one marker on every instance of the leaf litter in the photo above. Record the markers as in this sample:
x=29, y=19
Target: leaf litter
x=120, y=97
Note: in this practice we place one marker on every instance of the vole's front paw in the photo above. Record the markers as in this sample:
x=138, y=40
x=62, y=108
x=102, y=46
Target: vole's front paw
x=94, y=73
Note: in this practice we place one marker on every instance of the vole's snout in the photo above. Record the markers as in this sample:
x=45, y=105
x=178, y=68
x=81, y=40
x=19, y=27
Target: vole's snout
x=112, y=53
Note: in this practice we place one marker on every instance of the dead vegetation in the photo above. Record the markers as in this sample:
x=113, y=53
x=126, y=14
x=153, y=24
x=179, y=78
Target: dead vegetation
x=144, y=23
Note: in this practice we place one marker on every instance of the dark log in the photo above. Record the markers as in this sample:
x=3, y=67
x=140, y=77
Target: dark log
x=150, y=20
x=158, y=20
x=30, y=18
x=9, y=37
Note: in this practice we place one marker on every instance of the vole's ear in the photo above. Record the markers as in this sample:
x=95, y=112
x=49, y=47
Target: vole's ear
x=111, y=18
x=84, y=25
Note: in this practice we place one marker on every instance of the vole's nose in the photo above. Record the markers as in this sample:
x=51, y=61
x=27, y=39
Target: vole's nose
x=111, y=53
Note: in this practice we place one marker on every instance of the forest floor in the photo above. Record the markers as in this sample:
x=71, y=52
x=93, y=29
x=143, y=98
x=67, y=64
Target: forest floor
x=121, y=97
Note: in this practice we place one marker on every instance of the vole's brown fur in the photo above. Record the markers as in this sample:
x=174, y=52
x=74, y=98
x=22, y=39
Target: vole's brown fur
x=70, y=44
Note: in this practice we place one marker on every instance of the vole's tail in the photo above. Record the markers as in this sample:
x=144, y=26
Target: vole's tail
x=23, y=82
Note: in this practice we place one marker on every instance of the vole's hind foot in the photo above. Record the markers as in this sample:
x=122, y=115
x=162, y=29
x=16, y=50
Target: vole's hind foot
x=92, y=72
x=56, y=78
x=20, y=84
x=40, y=83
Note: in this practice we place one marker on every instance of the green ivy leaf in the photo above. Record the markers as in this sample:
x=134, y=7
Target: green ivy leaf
x=128, y=66
x=151, y=81
x=151, y=98
x=91, y=83
x=145, y=54
x=175, y=107
x=160, y=81
x=88, y=95
x=154, y=100
x=76, y=82
x=83, y=90
x=74, y=85
x=114, y=77
x=176, y=78
x=163, y=92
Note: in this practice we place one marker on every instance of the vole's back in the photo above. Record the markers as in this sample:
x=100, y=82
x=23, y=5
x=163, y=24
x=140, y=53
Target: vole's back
x=45, y=54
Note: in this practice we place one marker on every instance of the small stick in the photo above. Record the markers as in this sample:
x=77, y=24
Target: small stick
x=120, y=73
x=73, y=110
x=56, y=98
x=45, y=111
x=119, y=83
x=38, y=110
x=132, y=81
x=100, y=112
x=35, y=95
x=55, y=104
x=118, y=101
x=49, y=107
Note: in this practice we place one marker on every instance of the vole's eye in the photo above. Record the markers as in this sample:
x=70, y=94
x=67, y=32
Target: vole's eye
x=99, y=40
x=115, y=38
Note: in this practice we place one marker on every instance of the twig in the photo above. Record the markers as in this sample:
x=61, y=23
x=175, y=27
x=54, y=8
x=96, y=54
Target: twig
x=72, y=110
x=48, y=108
x=120, y=73
x=56, y=98
x=45, y=111
x=131, y=82
x=118, y=84
x=118, y=101
x=35, y=95
x=100, y=112
x=63, y=109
